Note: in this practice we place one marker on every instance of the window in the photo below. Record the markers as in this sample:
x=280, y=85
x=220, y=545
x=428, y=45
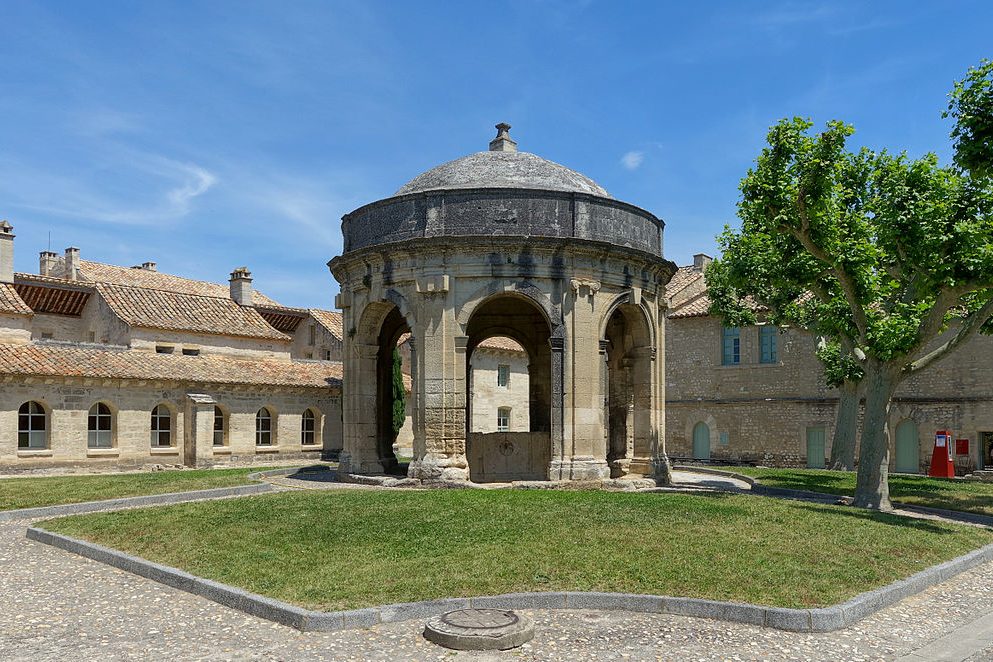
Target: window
x=308, y=425
x=92, y=336
x=503, y=419
x=503, y=375
x=218, y=426
x=99, y=427
x=263, y=428
x=327, y=355
x=313, y=335
x=164, y=349
x=32, y=426
x=731, y=354
x=191, y=351
x=46, y=335
x=768, y=339
x=161, y=426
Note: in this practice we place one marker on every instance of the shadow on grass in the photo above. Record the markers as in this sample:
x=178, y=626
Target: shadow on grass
x=883, y=518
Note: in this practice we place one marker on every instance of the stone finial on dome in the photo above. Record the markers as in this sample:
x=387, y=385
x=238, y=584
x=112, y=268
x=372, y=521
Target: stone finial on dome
x=502, y=142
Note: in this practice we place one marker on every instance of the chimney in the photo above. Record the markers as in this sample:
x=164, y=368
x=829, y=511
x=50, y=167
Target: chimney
x=241, y=286
x=149, y=266
x=701, y=261
x=72, y=263
x=46, y=262
x=6, y=252
x=502, y=142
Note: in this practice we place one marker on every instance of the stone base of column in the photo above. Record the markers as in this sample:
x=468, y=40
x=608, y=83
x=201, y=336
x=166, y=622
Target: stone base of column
x=439, y=468
x=356, y=464
x=578, y=468
x=657, y=469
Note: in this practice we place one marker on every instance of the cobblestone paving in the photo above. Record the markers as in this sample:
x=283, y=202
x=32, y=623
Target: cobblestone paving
x=55, y=605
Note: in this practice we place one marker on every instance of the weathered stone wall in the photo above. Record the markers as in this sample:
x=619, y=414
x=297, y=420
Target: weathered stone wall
x=488, y=396
x=15, y=328
x=760, y=413
x=149, y=339
x=313, y=341
x=68, y=402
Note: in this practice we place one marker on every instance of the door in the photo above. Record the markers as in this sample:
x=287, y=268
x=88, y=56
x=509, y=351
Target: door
x=986, y=450
x=815, y=448
x=701, y=442
x=908, y=448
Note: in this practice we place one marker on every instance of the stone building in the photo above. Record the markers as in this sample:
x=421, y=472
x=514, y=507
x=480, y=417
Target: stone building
x=756, y=394
x=505, y=243
x=103, y=365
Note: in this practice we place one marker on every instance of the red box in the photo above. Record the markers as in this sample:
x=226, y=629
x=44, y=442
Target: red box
x=961, y=446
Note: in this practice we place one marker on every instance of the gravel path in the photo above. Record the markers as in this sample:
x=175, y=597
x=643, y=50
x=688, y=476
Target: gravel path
x=55, y=605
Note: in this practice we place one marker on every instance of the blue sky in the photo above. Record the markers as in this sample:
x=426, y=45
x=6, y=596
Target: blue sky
x=205, y=136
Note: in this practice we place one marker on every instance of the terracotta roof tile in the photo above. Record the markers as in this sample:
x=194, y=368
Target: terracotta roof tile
x=683, y=277
x=174, y=311
x=330, y=320
x=501, y=343
x=11, y=302
x=121, y=363
x=99, y=272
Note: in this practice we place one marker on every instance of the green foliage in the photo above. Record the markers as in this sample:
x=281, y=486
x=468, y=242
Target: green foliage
x=399, y=393
x=971, y=106
x=357, y=548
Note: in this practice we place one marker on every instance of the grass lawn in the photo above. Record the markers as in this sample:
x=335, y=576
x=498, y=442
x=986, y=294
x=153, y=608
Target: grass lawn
x=350, y=549
x=55, y=490
x=969, y=496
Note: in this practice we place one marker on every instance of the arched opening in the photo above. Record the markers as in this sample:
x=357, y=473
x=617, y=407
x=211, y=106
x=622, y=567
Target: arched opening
x=162, y=427
x=701, y=441
x=508, y=390
x=310, y=428
x=390, y=391
x=220, y=426
x=627, y=388
x=908, y=448
x=265, y=428
x=32, y=426
x=100, y=427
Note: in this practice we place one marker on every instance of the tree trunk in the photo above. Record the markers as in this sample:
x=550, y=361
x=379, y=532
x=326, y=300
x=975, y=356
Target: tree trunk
x=872, y=489
x=845, y=424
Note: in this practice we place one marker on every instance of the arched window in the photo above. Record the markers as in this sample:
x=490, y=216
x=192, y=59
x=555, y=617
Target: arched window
x=99, y=427
x=263, y=428
x=308, y=428
x=219, y=427
x=161, y=426
x=32, y=426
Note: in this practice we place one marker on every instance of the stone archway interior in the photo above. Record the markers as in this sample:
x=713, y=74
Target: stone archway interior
x=393, y=327
x=504, y=456
x=628, y=395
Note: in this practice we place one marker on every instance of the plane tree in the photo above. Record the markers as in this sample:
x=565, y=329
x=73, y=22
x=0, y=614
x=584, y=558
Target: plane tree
x=889, y=257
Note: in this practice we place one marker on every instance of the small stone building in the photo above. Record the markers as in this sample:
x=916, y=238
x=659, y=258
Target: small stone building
x=756, y=394
x=505, y=243
x=108, y=366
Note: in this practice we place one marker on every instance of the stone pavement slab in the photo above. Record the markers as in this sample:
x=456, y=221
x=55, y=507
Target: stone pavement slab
x=55, y=605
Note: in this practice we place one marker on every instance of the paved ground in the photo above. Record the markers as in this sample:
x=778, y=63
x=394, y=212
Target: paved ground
x=55, y=605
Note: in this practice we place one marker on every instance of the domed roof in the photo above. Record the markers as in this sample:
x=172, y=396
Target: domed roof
x=503, y=167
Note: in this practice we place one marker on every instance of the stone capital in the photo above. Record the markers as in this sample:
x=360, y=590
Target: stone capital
x=591, y=286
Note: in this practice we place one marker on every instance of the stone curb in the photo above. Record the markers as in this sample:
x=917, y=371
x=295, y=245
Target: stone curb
x=133, y=502
x=826, y=619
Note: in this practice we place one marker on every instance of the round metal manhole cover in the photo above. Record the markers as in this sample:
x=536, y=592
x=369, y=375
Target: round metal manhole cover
x=481, y=619
x=479, y=629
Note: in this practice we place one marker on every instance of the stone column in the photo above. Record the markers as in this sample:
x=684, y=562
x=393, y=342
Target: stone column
x=198, y=447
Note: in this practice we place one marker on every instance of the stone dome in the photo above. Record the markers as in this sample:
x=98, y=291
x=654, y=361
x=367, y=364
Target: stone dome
x=503, y=167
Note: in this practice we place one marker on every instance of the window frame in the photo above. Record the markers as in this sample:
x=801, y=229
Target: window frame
x=98, y=437
x=503, y=413
x=162, y=412
x=220, y=416
x=35, y=411
x=731, y=355
x=769, y=335
x=503, y=375
x=309, y=415
x=268, y=431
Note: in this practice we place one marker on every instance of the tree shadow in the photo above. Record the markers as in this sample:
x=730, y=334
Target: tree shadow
x=890, y=519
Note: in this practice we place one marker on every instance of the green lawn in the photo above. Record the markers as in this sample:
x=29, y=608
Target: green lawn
x=55, y=490
x=350, y=549
x=969, y=496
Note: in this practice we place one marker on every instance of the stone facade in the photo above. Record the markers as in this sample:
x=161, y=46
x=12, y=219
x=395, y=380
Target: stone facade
x=780, y=412
x=231, y=373
x=576, y=278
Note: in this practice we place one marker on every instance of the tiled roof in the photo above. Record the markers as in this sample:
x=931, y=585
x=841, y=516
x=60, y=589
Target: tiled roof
x=698, y=306
x=330, y=320
x=174, y=311
x=11, y=302
x=501, y=343
x=134, y=277
x=683, y=277
x=121, y=363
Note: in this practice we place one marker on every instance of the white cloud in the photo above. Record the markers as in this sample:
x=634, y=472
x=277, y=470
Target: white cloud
x=632, y=160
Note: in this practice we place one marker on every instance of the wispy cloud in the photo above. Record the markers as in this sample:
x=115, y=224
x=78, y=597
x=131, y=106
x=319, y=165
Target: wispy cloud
x=633, y=160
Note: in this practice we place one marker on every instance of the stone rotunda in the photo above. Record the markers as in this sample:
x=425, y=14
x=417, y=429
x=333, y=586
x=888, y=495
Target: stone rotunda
x=505, y=243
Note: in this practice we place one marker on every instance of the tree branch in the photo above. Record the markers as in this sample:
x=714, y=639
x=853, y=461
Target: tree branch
x=970, y=327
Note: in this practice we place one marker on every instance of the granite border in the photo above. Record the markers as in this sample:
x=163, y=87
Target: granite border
x=824, y=619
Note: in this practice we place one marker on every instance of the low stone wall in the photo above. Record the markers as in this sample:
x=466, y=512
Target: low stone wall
x=508, y=456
